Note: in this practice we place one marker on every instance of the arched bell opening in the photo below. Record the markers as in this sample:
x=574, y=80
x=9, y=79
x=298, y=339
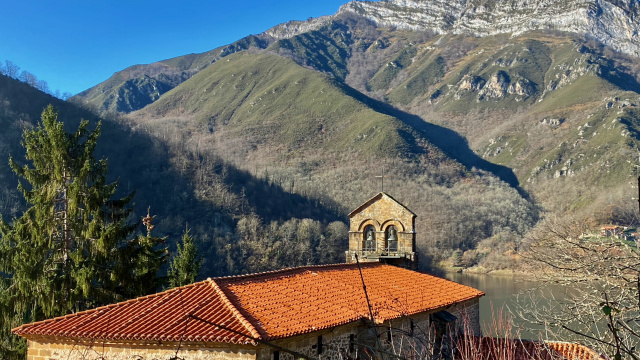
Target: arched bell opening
x=391, y=238
x=369, y=238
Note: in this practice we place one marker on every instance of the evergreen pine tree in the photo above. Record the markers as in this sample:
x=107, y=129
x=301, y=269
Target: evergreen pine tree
x=11, y=347
x=69, y=250
x=185, y=266
x=141, y=276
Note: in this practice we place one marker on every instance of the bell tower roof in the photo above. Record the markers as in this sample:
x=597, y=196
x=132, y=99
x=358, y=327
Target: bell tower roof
x=376, y=198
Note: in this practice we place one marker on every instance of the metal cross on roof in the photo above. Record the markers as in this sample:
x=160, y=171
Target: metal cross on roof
x=382, y=178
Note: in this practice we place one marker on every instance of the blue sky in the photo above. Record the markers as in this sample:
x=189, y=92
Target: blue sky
x=74, y=45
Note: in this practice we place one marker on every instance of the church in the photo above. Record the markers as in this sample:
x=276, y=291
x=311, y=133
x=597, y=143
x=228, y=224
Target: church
x=374, y=303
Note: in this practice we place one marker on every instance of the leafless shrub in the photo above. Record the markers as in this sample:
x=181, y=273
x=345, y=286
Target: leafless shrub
x=601, y=278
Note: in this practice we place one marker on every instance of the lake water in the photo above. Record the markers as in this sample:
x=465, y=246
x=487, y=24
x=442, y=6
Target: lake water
x=501, y=297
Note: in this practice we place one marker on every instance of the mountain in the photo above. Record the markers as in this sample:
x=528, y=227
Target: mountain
x=137, y=86
x=479, y=116
x=318, y=137
x=612, y=22
x=269, y=101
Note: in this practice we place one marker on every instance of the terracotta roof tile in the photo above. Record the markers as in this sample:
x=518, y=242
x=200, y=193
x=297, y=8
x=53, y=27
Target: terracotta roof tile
x=571, y=351
x=161, y=316
x=492, y=348
x=262, y=306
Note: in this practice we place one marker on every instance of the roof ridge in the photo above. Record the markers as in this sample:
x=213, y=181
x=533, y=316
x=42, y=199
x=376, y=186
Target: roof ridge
x=225, y=300
x=285, y=270
x=100, y=308
x=377, y=197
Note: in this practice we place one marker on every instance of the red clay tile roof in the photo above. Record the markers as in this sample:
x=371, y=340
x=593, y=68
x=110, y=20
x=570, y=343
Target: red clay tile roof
x=161, y=316
x=609, y=227
x=571, y=351
x=491, y=348
x=262, y=306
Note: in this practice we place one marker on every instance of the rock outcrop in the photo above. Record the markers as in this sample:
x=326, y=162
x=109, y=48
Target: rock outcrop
x=615, y=23
x=293, y=28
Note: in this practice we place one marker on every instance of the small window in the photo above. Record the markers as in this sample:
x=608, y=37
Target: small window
x=319, y=344
x=412, y=327
x=276, y=355
x=352, y=345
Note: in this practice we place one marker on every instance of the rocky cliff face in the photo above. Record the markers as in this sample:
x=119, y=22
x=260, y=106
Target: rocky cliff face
x=293, y=28
x=615, y=23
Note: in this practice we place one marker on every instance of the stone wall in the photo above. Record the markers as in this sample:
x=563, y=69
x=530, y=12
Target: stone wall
x=468, y=314
x=405, y=337
x=416, y=336
x=335, y=344
x=381, y=212
x=45, y=348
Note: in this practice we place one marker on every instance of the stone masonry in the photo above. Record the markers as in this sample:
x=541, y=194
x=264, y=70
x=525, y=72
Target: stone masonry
x=346, y=342
x=47, y=348
x=381, y=212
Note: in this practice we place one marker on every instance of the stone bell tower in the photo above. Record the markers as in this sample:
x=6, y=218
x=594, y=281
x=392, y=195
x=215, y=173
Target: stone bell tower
x=383, y=230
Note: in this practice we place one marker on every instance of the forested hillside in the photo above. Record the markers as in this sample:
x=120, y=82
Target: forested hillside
x=322, y=139
x=229, y=218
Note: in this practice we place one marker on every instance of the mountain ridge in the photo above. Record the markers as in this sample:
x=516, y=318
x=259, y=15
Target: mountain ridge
x=137, y=86
x=615, y=23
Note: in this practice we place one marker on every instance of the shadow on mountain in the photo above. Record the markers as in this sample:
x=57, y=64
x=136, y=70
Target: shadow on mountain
x=456, y=146
x=609, y=69
x=211, y=209
x=138, y=162
x=622, y=80
x=146, y=165
x=271, y=202
x=449, y=141
x=325, y=50
x=144, y=162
